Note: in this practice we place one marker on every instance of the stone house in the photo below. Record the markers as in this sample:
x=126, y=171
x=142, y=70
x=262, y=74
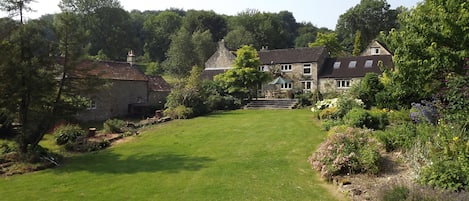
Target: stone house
x=219, y=62
x=307, y=69
x=299, y=67
x=127, y=91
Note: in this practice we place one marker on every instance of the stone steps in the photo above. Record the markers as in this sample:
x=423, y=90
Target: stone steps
x=272, y=104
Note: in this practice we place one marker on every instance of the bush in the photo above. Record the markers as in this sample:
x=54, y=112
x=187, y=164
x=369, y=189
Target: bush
x=347, y=103
x=396, y=193
x=361, y=118
x=352, y=151
x=68, y=133
x=84, y=145
x=397, y=117
x=358, y=118
x=379, y=119
x=179, y=112
x=114, y=126
x=329, y=113
x=304, y=99
x=328, y=124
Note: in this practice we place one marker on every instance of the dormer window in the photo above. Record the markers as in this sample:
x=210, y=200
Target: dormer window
x=368, y=63
x=352, y=64
x=375, y=51
x=337, y=65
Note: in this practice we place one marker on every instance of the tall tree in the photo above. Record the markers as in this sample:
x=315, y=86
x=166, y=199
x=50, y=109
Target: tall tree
x=330, y=41
x=27, y=76
x=110, y=32
x=237, y=38
x=205, y=20
x=204, y=47
x=71, y=38
x=357, y=44
x=180, y=55
x=16, y=7
x=158, y=31
x=370, y=17
x=431, y=43
x=88, y=6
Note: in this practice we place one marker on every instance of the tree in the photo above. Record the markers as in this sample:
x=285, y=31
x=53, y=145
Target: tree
x=204, y=47
x=330, y=41
x=431, y=43
x=71, y=37
x=27, y=76
x=369, y=86
x=110, y=32
x=180, y=55
x=87, y=6
x=158, y=30
x=306, y=34
x=357, y=45
x=201, y=21
x=16, y=7
x=370, y=17
x=237, y=38
x=243, y=80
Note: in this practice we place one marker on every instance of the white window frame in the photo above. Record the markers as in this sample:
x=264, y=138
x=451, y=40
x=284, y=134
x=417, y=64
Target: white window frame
x=286, y=67
x=307, y=86
x=91, y=104
x=307, y=66
x=286, y=86
x=369, y=63
x=343, y=83
x=264, y=68
x=337, y=64
x=352, y=64
x=375, y=51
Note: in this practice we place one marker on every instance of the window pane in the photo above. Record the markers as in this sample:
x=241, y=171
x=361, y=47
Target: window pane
x=368, y=63
x=352, y=64
x=337, y=65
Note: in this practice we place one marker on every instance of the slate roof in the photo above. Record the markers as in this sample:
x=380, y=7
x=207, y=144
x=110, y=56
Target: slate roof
x=344, y=71
x=157, y=83
x=292, y=55
x=109, y=70
x=209, y=74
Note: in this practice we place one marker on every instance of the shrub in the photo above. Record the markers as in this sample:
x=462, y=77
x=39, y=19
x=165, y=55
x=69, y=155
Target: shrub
x=179, y=112
x=347, y=103
x=379, y=119
x=398, y=137
x=84, y=145
x=362, y=118
x=397, y=117
x=359, y=118
x=68, y=133
x=352, y=151
x=328, y=124
x=329, y=113
x=424, y=112
x=396, y=193
x=114, y=126
x=304, y=99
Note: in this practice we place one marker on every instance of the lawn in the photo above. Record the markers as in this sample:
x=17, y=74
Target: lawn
x=236, y=155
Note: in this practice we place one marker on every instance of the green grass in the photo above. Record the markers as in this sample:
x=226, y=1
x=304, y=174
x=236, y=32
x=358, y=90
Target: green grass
x=237, y=155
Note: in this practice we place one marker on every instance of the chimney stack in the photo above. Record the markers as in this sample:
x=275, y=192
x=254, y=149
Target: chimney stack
x=131, y=58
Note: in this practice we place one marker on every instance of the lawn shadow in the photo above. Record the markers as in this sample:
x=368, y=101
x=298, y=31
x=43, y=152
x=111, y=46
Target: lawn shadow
x=108, y=162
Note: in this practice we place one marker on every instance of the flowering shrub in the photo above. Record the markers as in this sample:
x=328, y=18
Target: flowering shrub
x=327, y=103
x=424, y=112
x=351, y=151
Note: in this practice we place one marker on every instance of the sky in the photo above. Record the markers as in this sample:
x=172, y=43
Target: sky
x=319, y=12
